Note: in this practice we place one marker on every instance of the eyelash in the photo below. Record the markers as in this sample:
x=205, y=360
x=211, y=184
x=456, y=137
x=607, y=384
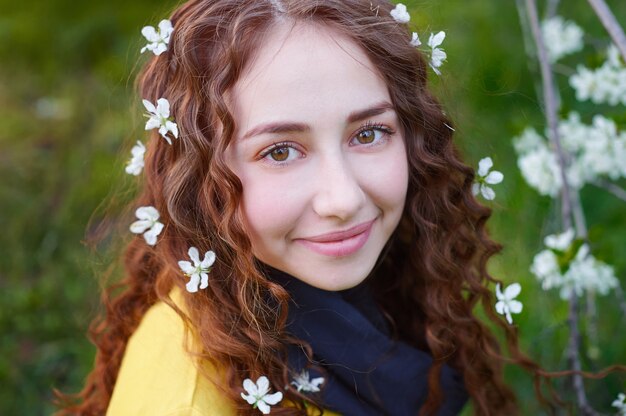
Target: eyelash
x=367, y=126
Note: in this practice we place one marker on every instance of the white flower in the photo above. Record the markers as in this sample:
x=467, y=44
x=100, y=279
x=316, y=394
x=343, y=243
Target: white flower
x=620, y=404
x=258, y=394
x=198, y=271
x=555, y=268
x=303, y=382
x=158, y=40
x=159, y=117
x=561, y=241
x=507, y=304
x=135, y=164
x=415, y=40
x=540, y=169
x=528, y=141
x=437, y=55
x=606, y=84
x=400, y=14
x=148, y=224
x=485, y=177
x=561, y=37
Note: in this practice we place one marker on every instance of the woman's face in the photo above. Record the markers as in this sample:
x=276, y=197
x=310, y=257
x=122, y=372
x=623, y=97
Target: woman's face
x=320, y=154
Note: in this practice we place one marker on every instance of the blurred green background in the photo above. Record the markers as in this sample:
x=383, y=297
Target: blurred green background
x=69, y=116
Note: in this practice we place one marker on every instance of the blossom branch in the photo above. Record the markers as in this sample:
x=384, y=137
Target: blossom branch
x=610, y=24
x=549, y=95
x=612, y=188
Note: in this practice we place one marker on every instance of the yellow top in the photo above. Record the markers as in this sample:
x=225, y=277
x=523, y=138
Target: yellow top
x=158, y=377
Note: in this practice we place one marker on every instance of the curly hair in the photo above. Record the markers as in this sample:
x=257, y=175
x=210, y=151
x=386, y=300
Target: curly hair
x=437, y=255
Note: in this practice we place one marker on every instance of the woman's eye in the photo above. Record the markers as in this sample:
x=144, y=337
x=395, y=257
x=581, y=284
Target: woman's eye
x=372, y=134
x=280, y=153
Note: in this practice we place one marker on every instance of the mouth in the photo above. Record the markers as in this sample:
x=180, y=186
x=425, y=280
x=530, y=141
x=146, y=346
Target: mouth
x=339, y=243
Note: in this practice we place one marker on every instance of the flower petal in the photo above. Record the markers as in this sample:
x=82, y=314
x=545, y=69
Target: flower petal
x=160, y=48
x=165, y=27
x=512, y=290
x=186, y=267
x=204, y=280
x=209, y=259
x=249, y=398
x=499, y=292
x=484, y=165
x=515, y=306
x=500, y=307
x=494, y=177
x=147, y=213
x=171, y=126
x=250, y=387
x=475, y=188
x=263, y=385
x=273, y=398
x=149, y=106
x=487, y=193
x=192, y=284
x=263, y=407
x=415, y=40
x=194, y=255
x=436, y=40
x=163, y=107
x=150, y=33
x=153, y=123
x=140, y=226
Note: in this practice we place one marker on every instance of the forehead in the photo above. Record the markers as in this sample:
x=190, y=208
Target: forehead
x=305, y=70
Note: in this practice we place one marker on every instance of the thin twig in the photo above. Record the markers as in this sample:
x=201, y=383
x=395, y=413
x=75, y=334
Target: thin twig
x=551, y=8
x=549, y=96
x=612, y=188
x=610, y=24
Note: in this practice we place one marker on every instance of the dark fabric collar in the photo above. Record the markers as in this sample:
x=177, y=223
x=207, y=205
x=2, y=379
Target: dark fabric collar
x=368, y=373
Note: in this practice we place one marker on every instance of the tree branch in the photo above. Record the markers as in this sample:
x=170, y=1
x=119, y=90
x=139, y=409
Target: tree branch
x=610, y=24
x=549, y=97
x=612, y=188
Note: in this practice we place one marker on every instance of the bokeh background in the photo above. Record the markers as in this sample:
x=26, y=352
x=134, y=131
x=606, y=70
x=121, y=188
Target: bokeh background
x=69, y=115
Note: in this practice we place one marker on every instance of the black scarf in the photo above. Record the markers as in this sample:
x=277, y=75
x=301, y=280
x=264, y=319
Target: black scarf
x=367, y=372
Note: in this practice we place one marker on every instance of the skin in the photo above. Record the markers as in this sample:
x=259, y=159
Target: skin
x=330, y=176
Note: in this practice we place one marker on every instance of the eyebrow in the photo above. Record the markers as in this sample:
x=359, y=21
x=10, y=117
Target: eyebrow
x=293, y=127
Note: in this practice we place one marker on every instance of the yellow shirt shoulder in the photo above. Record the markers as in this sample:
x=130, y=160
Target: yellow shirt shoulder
x=159, y=378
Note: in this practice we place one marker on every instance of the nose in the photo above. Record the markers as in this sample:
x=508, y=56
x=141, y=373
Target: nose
x=338, y=192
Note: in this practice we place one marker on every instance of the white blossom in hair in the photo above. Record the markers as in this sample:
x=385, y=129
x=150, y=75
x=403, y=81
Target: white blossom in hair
x=485, y=176
x=198, y=271
x=400, y=14
x=135, y=164
x=507, y=304
x=415, y=40
x=259, y=394
x=159, y=118
x=437, y=55
x=158, y=39
x=148, y=224
x=303, y=382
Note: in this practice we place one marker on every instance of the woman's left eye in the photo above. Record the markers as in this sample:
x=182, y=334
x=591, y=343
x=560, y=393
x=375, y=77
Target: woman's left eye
x=372, y=134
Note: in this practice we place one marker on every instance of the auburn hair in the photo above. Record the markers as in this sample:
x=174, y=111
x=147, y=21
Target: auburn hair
x=429, y=279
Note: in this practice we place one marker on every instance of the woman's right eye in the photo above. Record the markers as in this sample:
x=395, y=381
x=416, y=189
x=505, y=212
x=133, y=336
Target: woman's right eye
x=280, y=154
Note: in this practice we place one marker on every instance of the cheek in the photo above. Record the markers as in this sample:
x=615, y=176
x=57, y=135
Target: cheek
x=387, y=184
x=272, y=205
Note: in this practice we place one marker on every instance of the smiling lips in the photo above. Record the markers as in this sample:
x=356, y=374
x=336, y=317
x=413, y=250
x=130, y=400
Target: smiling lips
x=340, y=243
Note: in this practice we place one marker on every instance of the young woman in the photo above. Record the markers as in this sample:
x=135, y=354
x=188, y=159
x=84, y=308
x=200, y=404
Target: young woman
x=337, y=250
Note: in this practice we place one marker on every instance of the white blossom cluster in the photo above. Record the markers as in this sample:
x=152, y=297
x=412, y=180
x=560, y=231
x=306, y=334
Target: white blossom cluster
x=596, y=150
x=603, y=85
x=570, y=267
x=561, y=37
